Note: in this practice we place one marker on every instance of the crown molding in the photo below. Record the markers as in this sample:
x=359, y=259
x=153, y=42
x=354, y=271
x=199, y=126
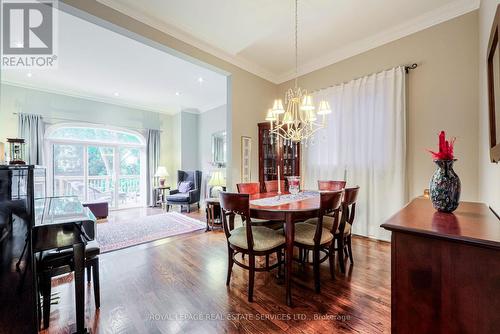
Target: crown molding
x=427, y=20
x=432, y=18
x=191, y=40
x=79, y=95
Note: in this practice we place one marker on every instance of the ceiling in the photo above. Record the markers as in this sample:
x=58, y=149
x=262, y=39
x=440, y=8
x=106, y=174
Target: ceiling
x=257, y=35
x=99, y=64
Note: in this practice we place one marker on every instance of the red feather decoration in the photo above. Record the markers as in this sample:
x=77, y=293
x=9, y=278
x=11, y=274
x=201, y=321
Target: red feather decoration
x=445, y=148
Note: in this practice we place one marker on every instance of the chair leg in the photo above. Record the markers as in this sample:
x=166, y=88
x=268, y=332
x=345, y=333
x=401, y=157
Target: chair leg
x=340, y=252
x=45, y=281
x=349, y=248
x=267, y=261
x=167, y=207
x=317, y=283
x=230, y=262
x=95, y=275
x=89, y=277
x=331, y=259
x=251, y=277
x=189, y=208
x=278, y=257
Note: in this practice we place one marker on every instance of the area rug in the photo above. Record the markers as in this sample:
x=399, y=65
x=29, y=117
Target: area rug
x=134, y=231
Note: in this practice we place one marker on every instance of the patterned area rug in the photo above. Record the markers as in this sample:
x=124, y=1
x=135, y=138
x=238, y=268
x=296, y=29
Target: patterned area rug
x=125, y=233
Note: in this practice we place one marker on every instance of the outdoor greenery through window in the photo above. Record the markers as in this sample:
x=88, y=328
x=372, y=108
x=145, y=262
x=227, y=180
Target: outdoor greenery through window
x=98, y=164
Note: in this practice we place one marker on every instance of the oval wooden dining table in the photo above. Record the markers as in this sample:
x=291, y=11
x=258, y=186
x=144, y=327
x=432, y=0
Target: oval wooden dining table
x=290, y=213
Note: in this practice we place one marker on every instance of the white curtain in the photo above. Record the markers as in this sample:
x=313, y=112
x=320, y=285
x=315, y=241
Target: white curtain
x=152, y=161
x=31, y=129
x=365, y=139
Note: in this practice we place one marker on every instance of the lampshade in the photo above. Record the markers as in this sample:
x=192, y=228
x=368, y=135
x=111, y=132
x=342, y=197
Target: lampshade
x=161, y=172
x=2, y=153
x=217, y=179
x=324, y=108
x=311, y=116
x=270, y=116
x=278, y=107
x=307, y=103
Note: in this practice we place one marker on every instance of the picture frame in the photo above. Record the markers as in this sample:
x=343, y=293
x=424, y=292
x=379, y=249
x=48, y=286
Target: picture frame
x=246, y=153
x=493, y=73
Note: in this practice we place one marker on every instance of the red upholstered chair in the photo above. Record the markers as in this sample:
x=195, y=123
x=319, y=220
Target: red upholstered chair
x=272, y=186
x=248, y=188
x=331, y=185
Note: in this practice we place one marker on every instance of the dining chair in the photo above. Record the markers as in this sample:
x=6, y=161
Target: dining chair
x=272, y=186
x=331, y=185
x=250, y=188
x=343, y=234
x=249, y=239
x=342, y=231
x=59, y=262
x=317, y=238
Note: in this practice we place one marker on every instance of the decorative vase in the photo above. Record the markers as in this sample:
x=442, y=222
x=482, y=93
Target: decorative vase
x=445, y=187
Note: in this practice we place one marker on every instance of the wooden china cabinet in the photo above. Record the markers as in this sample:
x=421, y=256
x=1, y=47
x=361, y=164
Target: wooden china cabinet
x=274, y=152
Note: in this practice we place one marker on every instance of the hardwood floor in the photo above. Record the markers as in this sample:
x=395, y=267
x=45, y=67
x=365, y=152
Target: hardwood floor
x=177, y=285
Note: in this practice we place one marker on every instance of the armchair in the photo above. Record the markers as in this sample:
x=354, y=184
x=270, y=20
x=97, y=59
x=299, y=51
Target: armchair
x=183, y=196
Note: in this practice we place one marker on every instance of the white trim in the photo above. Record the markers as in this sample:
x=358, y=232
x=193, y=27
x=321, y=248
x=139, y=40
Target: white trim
x=75, y=94
x=193, y=41
x=427, y=20
x=432, y=18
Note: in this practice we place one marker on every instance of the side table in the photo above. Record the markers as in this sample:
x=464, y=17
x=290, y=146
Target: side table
x=159, y=195
x=213, y=213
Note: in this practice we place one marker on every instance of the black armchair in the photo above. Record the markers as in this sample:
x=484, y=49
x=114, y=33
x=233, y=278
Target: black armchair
x=189, y=197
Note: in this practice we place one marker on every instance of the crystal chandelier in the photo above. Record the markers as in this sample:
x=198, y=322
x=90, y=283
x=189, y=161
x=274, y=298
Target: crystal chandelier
x=300, y=119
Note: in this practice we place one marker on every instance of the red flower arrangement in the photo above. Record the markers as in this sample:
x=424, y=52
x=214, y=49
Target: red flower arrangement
x=445, y=148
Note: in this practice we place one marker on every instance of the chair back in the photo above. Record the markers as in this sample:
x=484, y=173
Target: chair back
x=330, y=201
x=236, y=204
x=348, y=207
x=193, y=176
x=331, y=185
x=248, y=188
x=272, y=186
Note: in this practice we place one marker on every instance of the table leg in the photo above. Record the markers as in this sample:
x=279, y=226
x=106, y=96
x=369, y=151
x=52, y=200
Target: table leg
x=79, y=258
x=212, y=215
x=289, y=234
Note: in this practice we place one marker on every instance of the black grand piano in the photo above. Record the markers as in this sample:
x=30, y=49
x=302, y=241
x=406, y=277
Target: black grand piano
x=36, y=225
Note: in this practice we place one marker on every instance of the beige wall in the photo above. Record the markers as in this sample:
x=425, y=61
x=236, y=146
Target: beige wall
x=489, y=173
x=442, y=94
x=250, y=95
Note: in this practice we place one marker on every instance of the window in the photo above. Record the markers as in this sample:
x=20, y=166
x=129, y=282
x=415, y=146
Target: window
x=97, y=164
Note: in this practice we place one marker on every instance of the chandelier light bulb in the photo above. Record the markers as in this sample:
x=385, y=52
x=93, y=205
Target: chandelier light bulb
x=307, y=103
x=278, y=107
x=324, y=108
x=270, y=116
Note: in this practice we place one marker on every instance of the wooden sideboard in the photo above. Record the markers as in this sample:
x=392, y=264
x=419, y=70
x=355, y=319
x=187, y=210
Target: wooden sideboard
x=445, y=269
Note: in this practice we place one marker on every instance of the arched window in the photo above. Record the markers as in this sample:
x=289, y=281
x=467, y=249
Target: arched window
x=97, y=163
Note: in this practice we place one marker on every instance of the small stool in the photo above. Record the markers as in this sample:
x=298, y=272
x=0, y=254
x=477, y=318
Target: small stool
x=213, y=213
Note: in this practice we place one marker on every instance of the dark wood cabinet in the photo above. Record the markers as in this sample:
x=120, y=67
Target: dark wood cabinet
x=273, y=152
x=445, y=269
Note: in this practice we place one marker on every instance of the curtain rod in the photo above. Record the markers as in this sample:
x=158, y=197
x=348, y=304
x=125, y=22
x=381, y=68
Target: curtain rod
x=406, y=67
x=88, y=122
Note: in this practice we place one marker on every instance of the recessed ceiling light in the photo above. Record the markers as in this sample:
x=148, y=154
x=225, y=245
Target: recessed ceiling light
x=200, y=79
x=116, y=94
x=177, y=93
x=29, y=74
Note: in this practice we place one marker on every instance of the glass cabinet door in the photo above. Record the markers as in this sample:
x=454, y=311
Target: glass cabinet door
x=270, y=155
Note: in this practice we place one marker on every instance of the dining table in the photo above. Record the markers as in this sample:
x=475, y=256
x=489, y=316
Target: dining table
x=290, y=209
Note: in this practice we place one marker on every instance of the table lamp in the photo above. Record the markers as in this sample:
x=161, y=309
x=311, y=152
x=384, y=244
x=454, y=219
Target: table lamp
x=2, y=153
x=217, y=182
x=161, y=174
